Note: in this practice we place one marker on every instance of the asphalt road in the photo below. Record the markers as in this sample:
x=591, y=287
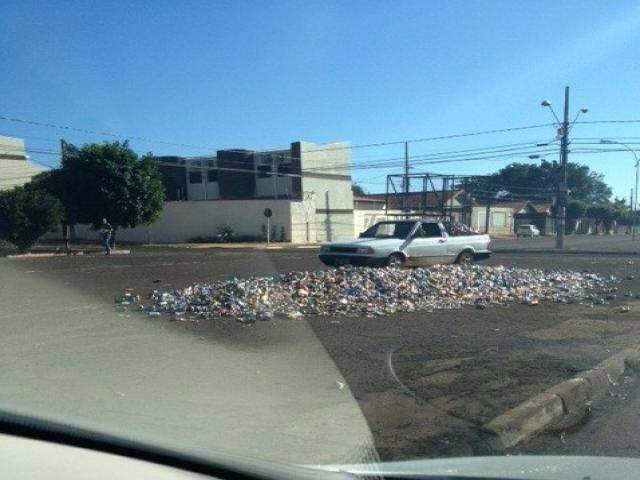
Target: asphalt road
x=309, y=391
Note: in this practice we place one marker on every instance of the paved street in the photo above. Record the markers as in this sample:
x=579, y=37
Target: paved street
x=305, y=391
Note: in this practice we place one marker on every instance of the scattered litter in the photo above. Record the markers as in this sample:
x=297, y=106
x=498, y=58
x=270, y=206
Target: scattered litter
x=372, y=292
x=624, y=309
x=341, y=385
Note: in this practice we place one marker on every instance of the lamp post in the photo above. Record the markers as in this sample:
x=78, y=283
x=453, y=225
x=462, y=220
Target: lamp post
x=563, y=132
x=634, y=207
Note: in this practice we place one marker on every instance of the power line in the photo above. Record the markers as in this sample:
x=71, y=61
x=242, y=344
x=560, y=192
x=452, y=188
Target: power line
x=430, y=139
x=441, y=156
x=364, y=167
x=596, y=122
x=93, y=132
x=313, y=150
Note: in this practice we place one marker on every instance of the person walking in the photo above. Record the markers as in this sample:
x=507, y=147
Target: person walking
x=107, y=231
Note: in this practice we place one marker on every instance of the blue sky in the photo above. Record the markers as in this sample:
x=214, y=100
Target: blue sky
x=254, y=74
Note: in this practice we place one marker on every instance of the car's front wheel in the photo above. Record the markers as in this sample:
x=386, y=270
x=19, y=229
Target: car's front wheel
x=465, y=257
x=395, y=260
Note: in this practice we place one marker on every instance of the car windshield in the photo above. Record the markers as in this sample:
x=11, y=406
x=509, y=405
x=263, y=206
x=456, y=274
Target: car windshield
x=399, y=230
x=324, y=232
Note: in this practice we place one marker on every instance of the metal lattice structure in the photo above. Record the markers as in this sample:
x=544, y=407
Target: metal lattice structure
x=445, y=197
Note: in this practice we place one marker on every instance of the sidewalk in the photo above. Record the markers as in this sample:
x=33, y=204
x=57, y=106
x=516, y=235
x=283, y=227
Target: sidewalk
x=574, y=244
x=236, y=246
x=50, y=249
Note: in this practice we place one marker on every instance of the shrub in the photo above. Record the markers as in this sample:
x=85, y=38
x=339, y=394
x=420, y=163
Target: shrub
x=225, y=232
x=26, y=215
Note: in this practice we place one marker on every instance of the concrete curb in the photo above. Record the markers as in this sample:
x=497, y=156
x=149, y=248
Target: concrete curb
x=569, y=251
x=562, y=405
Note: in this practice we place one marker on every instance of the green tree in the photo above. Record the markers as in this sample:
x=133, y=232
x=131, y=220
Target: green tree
x=605, y=214
x=110, y=181
x=586, y=185
x=626, y=217
x=357, y=190
x=57, y=184
x=26, y=215
x=575, y=211
x=541, y=179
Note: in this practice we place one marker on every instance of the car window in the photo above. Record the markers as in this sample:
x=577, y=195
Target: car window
x=389, y=230
x=429, y=230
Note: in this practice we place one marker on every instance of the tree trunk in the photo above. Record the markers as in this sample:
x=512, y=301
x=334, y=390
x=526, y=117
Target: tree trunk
x=65, y=237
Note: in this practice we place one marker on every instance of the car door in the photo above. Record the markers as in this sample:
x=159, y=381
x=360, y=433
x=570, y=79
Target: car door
x=427, y=245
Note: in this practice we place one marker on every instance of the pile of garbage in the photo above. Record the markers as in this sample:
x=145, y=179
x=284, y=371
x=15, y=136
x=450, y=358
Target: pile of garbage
x=368, y=292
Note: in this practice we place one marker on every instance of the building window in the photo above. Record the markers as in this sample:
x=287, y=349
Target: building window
x=212, y=175
x=264, y=171
x=195, y=177
x=284, y=169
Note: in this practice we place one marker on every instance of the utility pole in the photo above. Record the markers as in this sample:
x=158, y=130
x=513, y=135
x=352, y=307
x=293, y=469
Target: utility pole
x=65, y=226
x=487, y=215
x=633, y=223
x=634, y=209
x=406, y=179
x=561, y=211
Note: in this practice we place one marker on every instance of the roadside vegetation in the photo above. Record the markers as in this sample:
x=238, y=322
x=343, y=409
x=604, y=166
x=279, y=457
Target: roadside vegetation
x=95, y=181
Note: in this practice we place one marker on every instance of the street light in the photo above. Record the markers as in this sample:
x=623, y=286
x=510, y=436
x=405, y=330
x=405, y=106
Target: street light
x=563, y=133
x=634, y=207
x=547, y=103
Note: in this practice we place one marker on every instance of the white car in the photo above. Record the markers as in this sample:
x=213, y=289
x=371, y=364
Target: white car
x=527, y=231
x=406, y=242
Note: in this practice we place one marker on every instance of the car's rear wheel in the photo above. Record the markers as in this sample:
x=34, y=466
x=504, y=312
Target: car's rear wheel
x=465, y=257
x=395, y=260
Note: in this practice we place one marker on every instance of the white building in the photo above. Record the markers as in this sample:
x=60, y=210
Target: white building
x=15, y=167
x=307, y=187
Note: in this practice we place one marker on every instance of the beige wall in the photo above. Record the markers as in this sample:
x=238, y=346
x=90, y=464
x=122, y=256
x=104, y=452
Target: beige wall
x=303, y=222
x=182, y=221
x=363, y=219
x=500, y=220
x=333, y=197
